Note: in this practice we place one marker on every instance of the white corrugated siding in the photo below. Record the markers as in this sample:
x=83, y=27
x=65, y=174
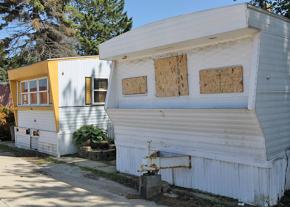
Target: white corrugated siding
x=22, y=140
x=47, y=143
x=72, y=75
x=42, y=120
x=250, y=184
x=273, y=85
x=72, y=118
x=73, y=113
x=231, y=134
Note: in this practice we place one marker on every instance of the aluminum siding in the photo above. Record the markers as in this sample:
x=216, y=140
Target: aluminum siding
x=251, y=184
x=213, y=133
x=273, y=84
x=42, y=120
x=72, y=118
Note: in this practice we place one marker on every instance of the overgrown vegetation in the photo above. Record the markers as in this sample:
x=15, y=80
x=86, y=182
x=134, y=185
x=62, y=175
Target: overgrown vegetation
x=6, y=120
x=90, y=135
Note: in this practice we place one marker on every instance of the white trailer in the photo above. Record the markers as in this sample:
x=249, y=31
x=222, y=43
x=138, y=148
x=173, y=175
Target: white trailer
x=53, y=98
x=213, y=85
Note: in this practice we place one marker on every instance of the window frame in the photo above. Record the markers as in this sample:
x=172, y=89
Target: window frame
x=99, y=90
x=37, y=92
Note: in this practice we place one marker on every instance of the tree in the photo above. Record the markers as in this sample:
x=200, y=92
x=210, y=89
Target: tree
x=280, y=7
x=97, y=21
x=35, y=30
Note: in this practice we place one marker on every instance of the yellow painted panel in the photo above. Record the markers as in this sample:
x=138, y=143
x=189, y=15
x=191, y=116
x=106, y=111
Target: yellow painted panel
x=53, y=84
x=29, y=72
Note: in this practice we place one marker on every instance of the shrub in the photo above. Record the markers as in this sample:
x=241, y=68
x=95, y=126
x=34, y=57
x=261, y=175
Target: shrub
x=89, y=133
x=6, y=120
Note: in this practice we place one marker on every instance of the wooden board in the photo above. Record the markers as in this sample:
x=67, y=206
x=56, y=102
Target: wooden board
x=171, y=76
x=183, y=75
x=221, y=80
x=166, y=80
x=209, y=81
x=88, y=90
x=232, y=80
x=136, y=85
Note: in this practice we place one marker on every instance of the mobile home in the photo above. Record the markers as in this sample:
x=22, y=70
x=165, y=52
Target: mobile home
x=55, y=97
x=213, y=85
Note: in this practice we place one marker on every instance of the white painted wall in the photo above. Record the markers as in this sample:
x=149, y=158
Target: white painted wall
x=239, y=52
x=72, y=118
x=42, y=120
x=72, y=75
x=73, y=113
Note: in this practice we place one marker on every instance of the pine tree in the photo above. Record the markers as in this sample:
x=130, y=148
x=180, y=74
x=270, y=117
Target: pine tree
x=97, y=21
x=36, y=30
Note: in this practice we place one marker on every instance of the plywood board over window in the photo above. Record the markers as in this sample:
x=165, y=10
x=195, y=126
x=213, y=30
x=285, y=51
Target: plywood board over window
x=171, y=77
x=135, y=85
x=221, y=80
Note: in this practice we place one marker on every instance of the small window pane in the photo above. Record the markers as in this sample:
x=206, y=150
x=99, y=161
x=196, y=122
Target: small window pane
x=101, y=84
x=99, y=96
x=43, y=85
x=43, y=97
x=24, y=98
x=33, y=98
x=24, y=87
x=32, y=86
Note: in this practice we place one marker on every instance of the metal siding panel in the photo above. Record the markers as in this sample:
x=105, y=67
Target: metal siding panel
x=272, y=97
x=268, y=23
x=42, y=120
x=250, y=184
x=48, y=143
x=72, y=75
x=189, y=27
x=72, y=118
x=227, y=133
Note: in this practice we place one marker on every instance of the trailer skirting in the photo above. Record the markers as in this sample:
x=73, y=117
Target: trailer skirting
x=259, y=185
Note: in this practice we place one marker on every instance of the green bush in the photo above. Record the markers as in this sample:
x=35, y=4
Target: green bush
x=89, y=133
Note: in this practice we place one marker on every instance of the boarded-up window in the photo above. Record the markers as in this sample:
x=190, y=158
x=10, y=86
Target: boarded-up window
x=221, y=80
x=133, y=86
x=88, y=90
x=171, y=76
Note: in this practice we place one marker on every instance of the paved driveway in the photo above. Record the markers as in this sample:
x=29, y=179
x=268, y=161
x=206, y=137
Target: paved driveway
x=25, y=184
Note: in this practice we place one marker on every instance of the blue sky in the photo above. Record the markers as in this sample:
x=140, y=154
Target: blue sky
x=146, y=11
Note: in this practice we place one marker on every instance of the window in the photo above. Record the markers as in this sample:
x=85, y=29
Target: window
x=100, y=87
x=34, y=92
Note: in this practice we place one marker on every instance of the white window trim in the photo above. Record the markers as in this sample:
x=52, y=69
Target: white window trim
x=37, y=92
x=93, y=94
